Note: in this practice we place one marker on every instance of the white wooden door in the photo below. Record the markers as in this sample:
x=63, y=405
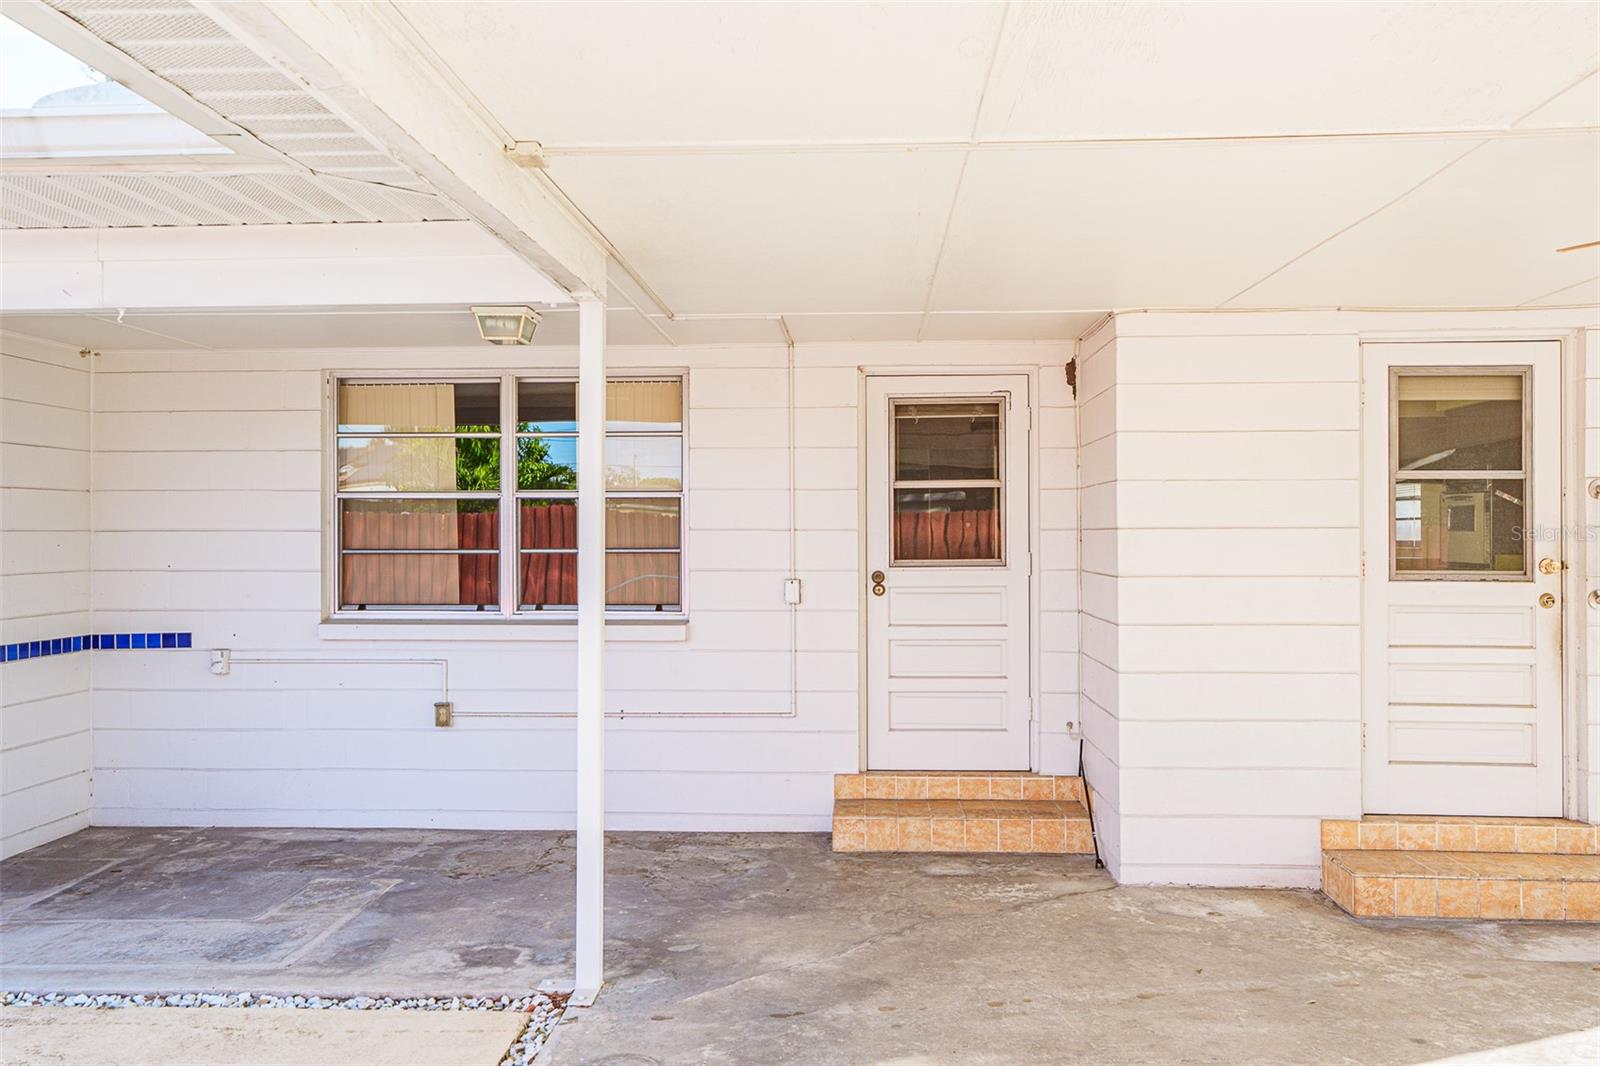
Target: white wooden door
x=1462, y=588
x=947, y=573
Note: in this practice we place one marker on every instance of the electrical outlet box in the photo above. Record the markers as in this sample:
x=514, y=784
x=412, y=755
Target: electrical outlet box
x=444, y=714
x=791, y=591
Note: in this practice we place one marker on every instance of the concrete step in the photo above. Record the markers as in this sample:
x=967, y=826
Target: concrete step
x=1057, y=827
x=956, y=784
x=1426, y=832
x=1502, y=886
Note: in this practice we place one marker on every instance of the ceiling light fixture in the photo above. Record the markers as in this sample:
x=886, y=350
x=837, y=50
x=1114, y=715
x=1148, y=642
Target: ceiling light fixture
x=506, y=325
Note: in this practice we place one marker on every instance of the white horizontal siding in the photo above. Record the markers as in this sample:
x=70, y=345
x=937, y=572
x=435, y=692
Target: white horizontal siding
x=1222, y=563
x=207, y=515
x=44, y=590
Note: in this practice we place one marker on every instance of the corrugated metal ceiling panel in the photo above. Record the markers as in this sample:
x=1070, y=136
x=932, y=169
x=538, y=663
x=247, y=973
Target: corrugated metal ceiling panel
x=96, y=201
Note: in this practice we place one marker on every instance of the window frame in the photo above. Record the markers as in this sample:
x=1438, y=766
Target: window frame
x=1525, y=473
x=509, y=611
x=1000, y=484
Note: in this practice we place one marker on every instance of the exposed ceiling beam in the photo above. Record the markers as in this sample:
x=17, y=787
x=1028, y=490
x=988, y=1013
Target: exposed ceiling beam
x=361, y=65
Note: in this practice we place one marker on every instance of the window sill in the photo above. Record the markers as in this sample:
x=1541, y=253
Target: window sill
x=618, y=630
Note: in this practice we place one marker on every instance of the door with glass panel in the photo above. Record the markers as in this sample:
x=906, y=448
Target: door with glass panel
x=1463, y=579
x=947, y=573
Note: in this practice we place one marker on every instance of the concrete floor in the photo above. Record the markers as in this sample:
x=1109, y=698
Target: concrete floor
x=769, y=948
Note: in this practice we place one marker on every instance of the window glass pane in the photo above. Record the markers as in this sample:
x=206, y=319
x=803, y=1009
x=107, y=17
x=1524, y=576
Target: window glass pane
x=644, y=463
x=403, y=580
x=937, y=524
x=947, y=441
x=1460, y=525
x=642, y=579
x=631, y=406
x=547, y=406
x=419, y=407
x=1460, y=421
x=549, y=580
x=428, y=524
x=419, y=464
x=548, y=523
x=640, y=406
x=547, y=463
x=642, y=523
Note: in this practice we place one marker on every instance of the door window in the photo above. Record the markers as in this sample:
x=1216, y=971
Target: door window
x=948, y=488
x=1458, y=473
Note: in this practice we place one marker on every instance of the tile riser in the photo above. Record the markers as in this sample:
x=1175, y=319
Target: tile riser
x=1005, y=813
x=1009, y=786
x=1444, y=897
x=1505, y=836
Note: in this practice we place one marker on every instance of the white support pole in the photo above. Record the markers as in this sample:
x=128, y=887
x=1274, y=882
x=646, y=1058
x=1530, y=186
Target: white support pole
x=591, y=647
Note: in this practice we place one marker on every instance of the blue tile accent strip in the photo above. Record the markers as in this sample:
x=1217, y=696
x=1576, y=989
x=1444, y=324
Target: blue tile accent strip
x=38, y=649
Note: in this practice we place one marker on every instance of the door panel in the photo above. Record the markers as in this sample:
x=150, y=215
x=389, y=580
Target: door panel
x=1462, y=624
x=947, y=651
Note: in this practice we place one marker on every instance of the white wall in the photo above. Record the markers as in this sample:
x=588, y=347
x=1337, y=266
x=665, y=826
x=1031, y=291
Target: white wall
x=1222, y=583
x=44, y=590
x=1098, y=702
x=208, y=509
x=1238, y=601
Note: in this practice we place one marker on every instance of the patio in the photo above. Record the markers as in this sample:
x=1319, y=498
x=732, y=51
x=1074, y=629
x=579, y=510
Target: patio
x=773, y=948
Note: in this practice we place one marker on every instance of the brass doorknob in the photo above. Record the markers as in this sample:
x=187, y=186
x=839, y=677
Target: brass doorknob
x=1550, y=566
x=1547, y=600
x=877, y=582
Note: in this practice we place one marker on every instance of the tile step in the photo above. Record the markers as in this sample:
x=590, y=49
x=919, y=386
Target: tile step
x=1502, y=886
x=956, y=784
x=1413, y=833
x=1057, y=827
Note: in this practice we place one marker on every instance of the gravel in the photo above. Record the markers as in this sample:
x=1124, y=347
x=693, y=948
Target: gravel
x=543, y=1011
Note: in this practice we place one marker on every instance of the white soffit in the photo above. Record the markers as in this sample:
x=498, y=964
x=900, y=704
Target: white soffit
x=1483, y=233
x=1164, y=225
x=947, y=326
x=847, y=231
x=622, y=73
x=1008, y=327
x=1163, y=69
x=226, y=267
x=308, y=328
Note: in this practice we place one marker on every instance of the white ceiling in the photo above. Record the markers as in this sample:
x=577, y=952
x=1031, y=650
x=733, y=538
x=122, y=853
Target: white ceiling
x=888, y=160
x=986, y=170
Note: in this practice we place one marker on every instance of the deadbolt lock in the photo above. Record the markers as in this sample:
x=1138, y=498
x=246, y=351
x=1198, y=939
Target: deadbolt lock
x=1547, y=600
x=1550, y=566
x=877, y=583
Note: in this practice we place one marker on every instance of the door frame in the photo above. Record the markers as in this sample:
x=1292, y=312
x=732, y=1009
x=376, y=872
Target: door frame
x=1031, y=499
x=1575, y=579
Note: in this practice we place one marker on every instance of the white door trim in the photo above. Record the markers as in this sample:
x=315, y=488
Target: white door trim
x=863, y=373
